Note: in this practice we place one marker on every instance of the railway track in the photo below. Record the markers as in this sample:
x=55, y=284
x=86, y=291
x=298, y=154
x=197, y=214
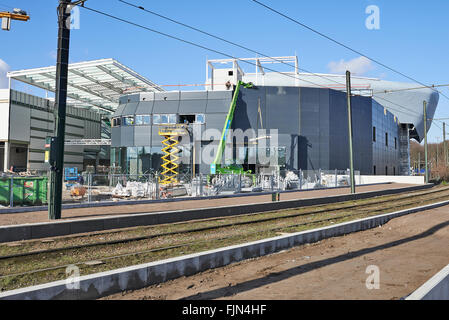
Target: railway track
x=170, y=240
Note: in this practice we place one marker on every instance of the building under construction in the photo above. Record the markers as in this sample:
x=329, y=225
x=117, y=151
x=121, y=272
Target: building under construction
x=306, y=112
x=119, y=118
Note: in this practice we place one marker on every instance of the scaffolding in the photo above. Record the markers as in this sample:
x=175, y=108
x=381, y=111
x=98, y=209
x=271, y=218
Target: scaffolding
x=171, y=134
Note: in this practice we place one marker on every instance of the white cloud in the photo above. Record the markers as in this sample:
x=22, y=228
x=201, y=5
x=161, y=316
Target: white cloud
x=4, y=68
x=357, y=66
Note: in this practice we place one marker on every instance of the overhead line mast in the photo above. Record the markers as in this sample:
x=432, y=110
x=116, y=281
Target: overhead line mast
x=16, y=14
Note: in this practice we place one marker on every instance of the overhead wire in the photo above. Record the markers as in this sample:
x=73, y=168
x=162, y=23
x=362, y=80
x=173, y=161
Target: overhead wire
x=224, y=40
x=411, y=112
x=342, y=44
x=245, y=48
x=192, y=43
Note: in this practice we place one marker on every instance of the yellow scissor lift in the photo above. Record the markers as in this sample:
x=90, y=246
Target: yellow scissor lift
x=171, y=134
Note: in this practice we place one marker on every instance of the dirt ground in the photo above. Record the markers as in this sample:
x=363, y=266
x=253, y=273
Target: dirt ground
x=408, y=251
x=95, y=212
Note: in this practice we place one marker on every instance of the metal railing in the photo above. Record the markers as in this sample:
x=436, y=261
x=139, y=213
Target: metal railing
x=115, y=187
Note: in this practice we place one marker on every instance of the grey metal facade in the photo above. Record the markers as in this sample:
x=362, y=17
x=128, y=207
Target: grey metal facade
x=311, y=123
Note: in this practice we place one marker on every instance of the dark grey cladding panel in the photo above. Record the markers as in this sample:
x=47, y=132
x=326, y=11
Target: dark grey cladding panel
x=215, y=121
x=142, y=136
x=218, y=101
x=120, y=108
x=246, y=113
x=220, y=94
x=145, y=107
x=194, y=95
x=156, y=139
x=146, y=103
x=133, y=97
x=127, y=136
x=166, y=102
x=130, y=108
x=282, y=105
x=193, y=102
x=116, y=140
x=362, y=132
x=123, y=100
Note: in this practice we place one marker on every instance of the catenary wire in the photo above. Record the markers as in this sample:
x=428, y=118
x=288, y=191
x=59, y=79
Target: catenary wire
x=266, y=56
x=343, y=45
x=193, y=44
x=412, y=112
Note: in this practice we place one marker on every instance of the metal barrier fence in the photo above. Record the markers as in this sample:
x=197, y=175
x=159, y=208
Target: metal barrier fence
x=114, y=187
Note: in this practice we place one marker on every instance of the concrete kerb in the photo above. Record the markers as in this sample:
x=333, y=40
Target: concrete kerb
x=133, y=202
x=68, y=227
x=135, y=277
x=437, y=288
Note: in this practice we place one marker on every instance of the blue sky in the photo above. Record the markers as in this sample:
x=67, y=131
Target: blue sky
x=413, y=37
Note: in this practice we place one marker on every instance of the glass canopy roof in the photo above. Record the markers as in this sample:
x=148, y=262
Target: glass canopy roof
x=98, y=84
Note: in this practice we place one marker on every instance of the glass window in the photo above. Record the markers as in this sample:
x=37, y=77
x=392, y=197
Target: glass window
x=200, y=118
x=172, y=118
x=128, y=121
x=164, y=118
x=142, y=119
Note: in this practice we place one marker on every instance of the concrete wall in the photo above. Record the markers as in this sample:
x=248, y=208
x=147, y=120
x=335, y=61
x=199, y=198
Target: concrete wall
x=396, y=179
x=4, y=111
x=437, y=288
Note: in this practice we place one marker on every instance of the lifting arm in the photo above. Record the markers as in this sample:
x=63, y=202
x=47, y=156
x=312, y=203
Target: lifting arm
x=228, y=121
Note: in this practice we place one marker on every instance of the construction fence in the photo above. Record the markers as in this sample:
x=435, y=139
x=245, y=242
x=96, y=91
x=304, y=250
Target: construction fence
x=116, y=187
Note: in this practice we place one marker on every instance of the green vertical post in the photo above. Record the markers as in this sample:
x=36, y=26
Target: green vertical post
x=444, y=143
x=419, y=162
x=351, y=161
x=425, y=141
x=56, y=174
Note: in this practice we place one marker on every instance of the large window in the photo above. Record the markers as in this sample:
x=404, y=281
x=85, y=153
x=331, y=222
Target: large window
x=164, y=118
x=143, y=120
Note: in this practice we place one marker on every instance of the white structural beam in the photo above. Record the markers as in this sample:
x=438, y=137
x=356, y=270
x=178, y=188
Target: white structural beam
x=88, y=142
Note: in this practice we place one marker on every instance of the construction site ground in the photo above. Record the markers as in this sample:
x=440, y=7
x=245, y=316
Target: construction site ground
x=96, y=212
x=407, y=252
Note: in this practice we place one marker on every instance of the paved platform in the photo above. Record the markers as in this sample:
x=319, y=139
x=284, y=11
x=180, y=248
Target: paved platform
x=97, y=212
x=406, y=251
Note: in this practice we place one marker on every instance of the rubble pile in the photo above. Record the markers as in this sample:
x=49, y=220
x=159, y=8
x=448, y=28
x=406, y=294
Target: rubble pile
x=133, y=189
